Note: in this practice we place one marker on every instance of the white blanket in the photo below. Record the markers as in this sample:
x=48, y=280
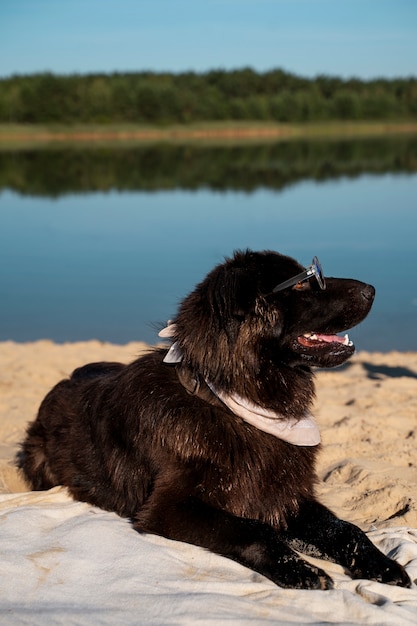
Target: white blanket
x=64, y=562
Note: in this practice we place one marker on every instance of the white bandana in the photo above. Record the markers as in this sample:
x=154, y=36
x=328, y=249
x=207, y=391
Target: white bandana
x=174, y=354
x=299, y=432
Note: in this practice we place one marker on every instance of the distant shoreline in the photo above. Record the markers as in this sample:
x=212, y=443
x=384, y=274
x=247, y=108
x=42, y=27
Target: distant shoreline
x=16, y=135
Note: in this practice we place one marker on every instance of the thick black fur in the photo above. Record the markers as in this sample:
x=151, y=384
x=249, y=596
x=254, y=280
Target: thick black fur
x=151, y=441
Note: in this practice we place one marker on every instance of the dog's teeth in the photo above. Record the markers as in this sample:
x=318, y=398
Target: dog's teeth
x=347, y=341
x=310, y=335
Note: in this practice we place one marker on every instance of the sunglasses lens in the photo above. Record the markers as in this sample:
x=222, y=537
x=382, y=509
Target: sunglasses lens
x=319, y=273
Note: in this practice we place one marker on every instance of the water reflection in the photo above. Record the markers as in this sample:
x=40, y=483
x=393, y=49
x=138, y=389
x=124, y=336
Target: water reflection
x=56, y=171
x=110, y=265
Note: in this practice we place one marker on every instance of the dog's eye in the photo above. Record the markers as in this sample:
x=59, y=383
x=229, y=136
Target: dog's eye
x=302, y=285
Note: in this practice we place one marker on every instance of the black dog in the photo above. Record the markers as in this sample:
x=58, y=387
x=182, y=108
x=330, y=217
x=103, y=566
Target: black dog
x=212, y=443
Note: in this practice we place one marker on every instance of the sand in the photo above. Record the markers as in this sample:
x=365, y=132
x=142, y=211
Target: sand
x=367, y=411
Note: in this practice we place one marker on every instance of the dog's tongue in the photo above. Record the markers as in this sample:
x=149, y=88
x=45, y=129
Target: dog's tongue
x=329, y=338
x=309, y=339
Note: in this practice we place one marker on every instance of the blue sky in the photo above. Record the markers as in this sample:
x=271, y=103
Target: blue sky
x=364, y=38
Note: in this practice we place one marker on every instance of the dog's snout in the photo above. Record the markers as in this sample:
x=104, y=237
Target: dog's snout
x=368, y=292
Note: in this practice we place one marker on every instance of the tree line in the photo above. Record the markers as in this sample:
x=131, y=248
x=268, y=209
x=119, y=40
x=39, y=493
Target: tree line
x=167, y=98
x=57, y=171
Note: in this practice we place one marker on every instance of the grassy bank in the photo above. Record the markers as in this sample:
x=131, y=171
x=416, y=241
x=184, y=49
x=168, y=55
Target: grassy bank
x=19, y=135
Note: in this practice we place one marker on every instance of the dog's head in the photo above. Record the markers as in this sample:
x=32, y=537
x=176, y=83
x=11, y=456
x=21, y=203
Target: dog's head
x=234, y=327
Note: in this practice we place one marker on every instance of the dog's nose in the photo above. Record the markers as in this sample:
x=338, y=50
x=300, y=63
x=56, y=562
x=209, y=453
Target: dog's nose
x=368, y=292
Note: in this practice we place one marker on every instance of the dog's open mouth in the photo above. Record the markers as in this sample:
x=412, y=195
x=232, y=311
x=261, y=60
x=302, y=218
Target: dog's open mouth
x=323, y=350
x=317, y=340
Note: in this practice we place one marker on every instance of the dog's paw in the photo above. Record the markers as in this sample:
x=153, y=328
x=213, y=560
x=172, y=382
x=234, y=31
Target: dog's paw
x=299, y=574
x=383, y=571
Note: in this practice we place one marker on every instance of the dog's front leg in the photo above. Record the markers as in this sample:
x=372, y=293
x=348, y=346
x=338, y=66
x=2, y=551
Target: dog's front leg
x=318, y=532
x=249, y=542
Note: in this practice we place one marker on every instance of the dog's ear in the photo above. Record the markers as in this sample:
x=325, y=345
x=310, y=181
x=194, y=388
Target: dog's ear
x=226, y=296
x=244, y=291
x=230, y=294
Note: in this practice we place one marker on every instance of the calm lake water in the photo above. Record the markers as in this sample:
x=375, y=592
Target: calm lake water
x=114, y=265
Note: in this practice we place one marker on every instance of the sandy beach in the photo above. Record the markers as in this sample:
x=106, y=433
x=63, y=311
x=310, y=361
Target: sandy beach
x=367, y=411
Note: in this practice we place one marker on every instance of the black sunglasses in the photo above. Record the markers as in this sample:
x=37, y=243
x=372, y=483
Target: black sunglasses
x=314, y=269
